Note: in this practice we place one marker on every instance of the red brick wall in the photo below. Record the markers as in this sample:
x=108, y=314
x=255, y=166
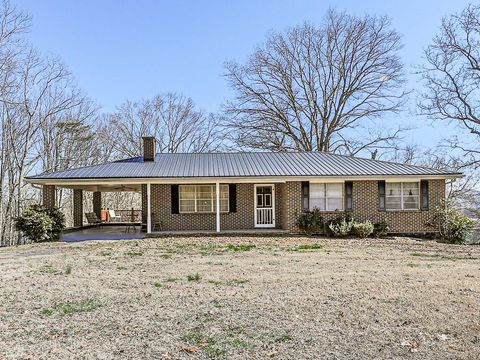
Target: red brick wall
x=292, y=204
x=48, y=196
x=97, y=203
x=366, y=207
x=77, y=207
x=288, y=205
x=242, y=219
x=149, y=144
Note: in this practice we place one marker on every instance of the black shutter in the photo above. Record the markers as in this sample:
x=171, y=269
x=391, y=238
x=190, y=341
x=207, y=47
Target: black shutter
x=232, y=197
x=348, y=196
x=305, y=196
x=424, y=194
x=174, y=197
x=381, y=195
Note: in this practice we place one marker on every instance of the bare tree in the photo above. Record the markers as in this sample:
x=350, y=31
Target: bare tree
x=44, y=119
x=171, y=118
x=48, y=124
x=452, y=77
x=13, y=25
x=319, y=88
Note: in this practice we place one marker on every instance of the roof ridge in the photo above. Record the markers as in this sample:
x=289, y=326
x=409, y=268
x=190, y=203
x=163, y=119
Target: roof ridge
x=310, y=152
x=124, y=160
x=378, y=161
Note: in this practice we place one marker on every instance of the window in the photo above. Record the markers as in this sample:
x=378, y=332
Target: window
x=349, y=196
x=402, y=196
x=326, y=197
x=305, y=196
x=202, y=198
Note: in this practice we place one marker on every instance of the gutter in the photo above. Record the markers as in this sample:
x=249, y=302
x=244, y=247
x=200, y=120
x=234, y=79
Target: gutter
x=233, y=179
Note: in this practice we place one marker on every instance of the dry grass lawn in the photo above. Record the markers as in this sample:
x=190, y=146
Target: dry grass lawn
x=240, y=298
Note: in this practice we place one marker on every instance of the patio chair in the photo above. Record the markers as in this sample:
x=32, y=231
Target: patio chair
x=92, y=219
x=156, y=222
x=113, y=217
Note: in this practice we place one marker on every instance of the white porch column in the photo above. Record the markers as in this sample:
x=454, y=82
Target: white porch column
x=149, y=210
x=217, y=191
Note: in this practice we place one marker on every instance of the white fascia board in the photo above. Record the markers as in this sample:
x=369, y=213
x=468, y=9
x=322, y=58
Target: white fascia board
x=227, y=180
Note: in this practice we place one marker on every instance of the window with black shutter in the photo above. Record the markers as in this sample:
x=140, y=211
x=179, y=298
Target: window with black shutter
x=424, y=194
x=348, y=196
x=232, y=194
x=305, y=196
x=381, y=195
x=174, y=197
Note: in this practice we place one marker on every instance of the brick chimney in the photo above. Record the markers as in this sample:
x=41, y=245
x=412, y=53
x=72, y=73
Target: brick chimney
x=149, y=148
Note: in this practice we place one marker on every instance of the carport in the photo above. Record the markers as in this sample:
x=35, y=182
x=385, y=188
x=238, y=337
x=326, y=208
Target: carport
x=127, y=223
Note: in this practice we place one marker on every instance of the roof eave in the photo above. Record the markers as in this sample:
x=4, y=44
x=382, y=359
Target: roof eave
x=246, y=179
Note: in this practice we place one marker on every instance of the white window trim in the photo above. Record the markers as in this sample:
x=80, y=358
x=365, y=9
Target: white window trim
x=402, y=195
x=326, y=197
x=213, y=211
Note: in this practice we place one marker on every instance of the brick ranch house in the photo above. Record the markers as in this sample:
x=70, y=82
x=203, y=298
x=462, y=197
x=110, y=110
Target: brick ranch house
x=245, y=191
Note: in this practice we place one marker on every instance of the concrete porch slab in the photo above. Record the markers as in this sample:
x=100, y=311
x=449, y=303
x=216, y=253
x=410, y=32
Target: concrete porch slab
x=103, y=233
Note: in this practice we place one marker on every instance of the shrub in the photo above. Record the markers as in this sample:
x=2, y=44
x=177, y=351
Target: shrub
x=40, y=224
x=341, y=228
x=380, y=228
x=58, y=219
x=336, y=223
x=362, y=229
x=310, y=222
x=454, y=226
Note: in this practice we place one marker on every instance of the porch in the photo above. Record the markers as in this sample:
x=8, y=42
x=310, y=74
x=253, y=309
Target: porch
x=184, y=207
x=116, y=232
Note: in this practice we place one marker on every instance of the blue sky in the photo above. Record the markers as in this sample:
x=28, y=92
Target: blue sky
x=136, y=49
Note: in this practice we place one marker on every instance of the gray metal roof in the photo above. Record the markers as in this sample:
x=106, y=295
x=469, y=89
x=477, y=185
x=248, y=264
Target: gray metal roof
x=286, y=164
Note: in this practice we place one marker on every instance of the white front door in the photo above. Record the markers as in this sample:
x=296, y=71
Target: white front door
x=265, y=205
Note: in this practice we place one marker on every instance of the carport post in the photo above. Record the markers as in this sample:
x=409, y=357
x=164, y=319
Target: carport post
x=48, y=194
x=77, y=207
x=97, y=203
x=149, y=210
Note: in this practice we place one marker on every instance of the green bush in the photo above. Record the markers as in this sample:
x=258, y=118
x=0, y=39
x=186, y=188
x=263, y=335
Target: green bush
x=335, y=223
x=310, y=222
x=454, y=226
x=362, y=229
x=380, y=228
x=40, y=224
x=340, y=228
